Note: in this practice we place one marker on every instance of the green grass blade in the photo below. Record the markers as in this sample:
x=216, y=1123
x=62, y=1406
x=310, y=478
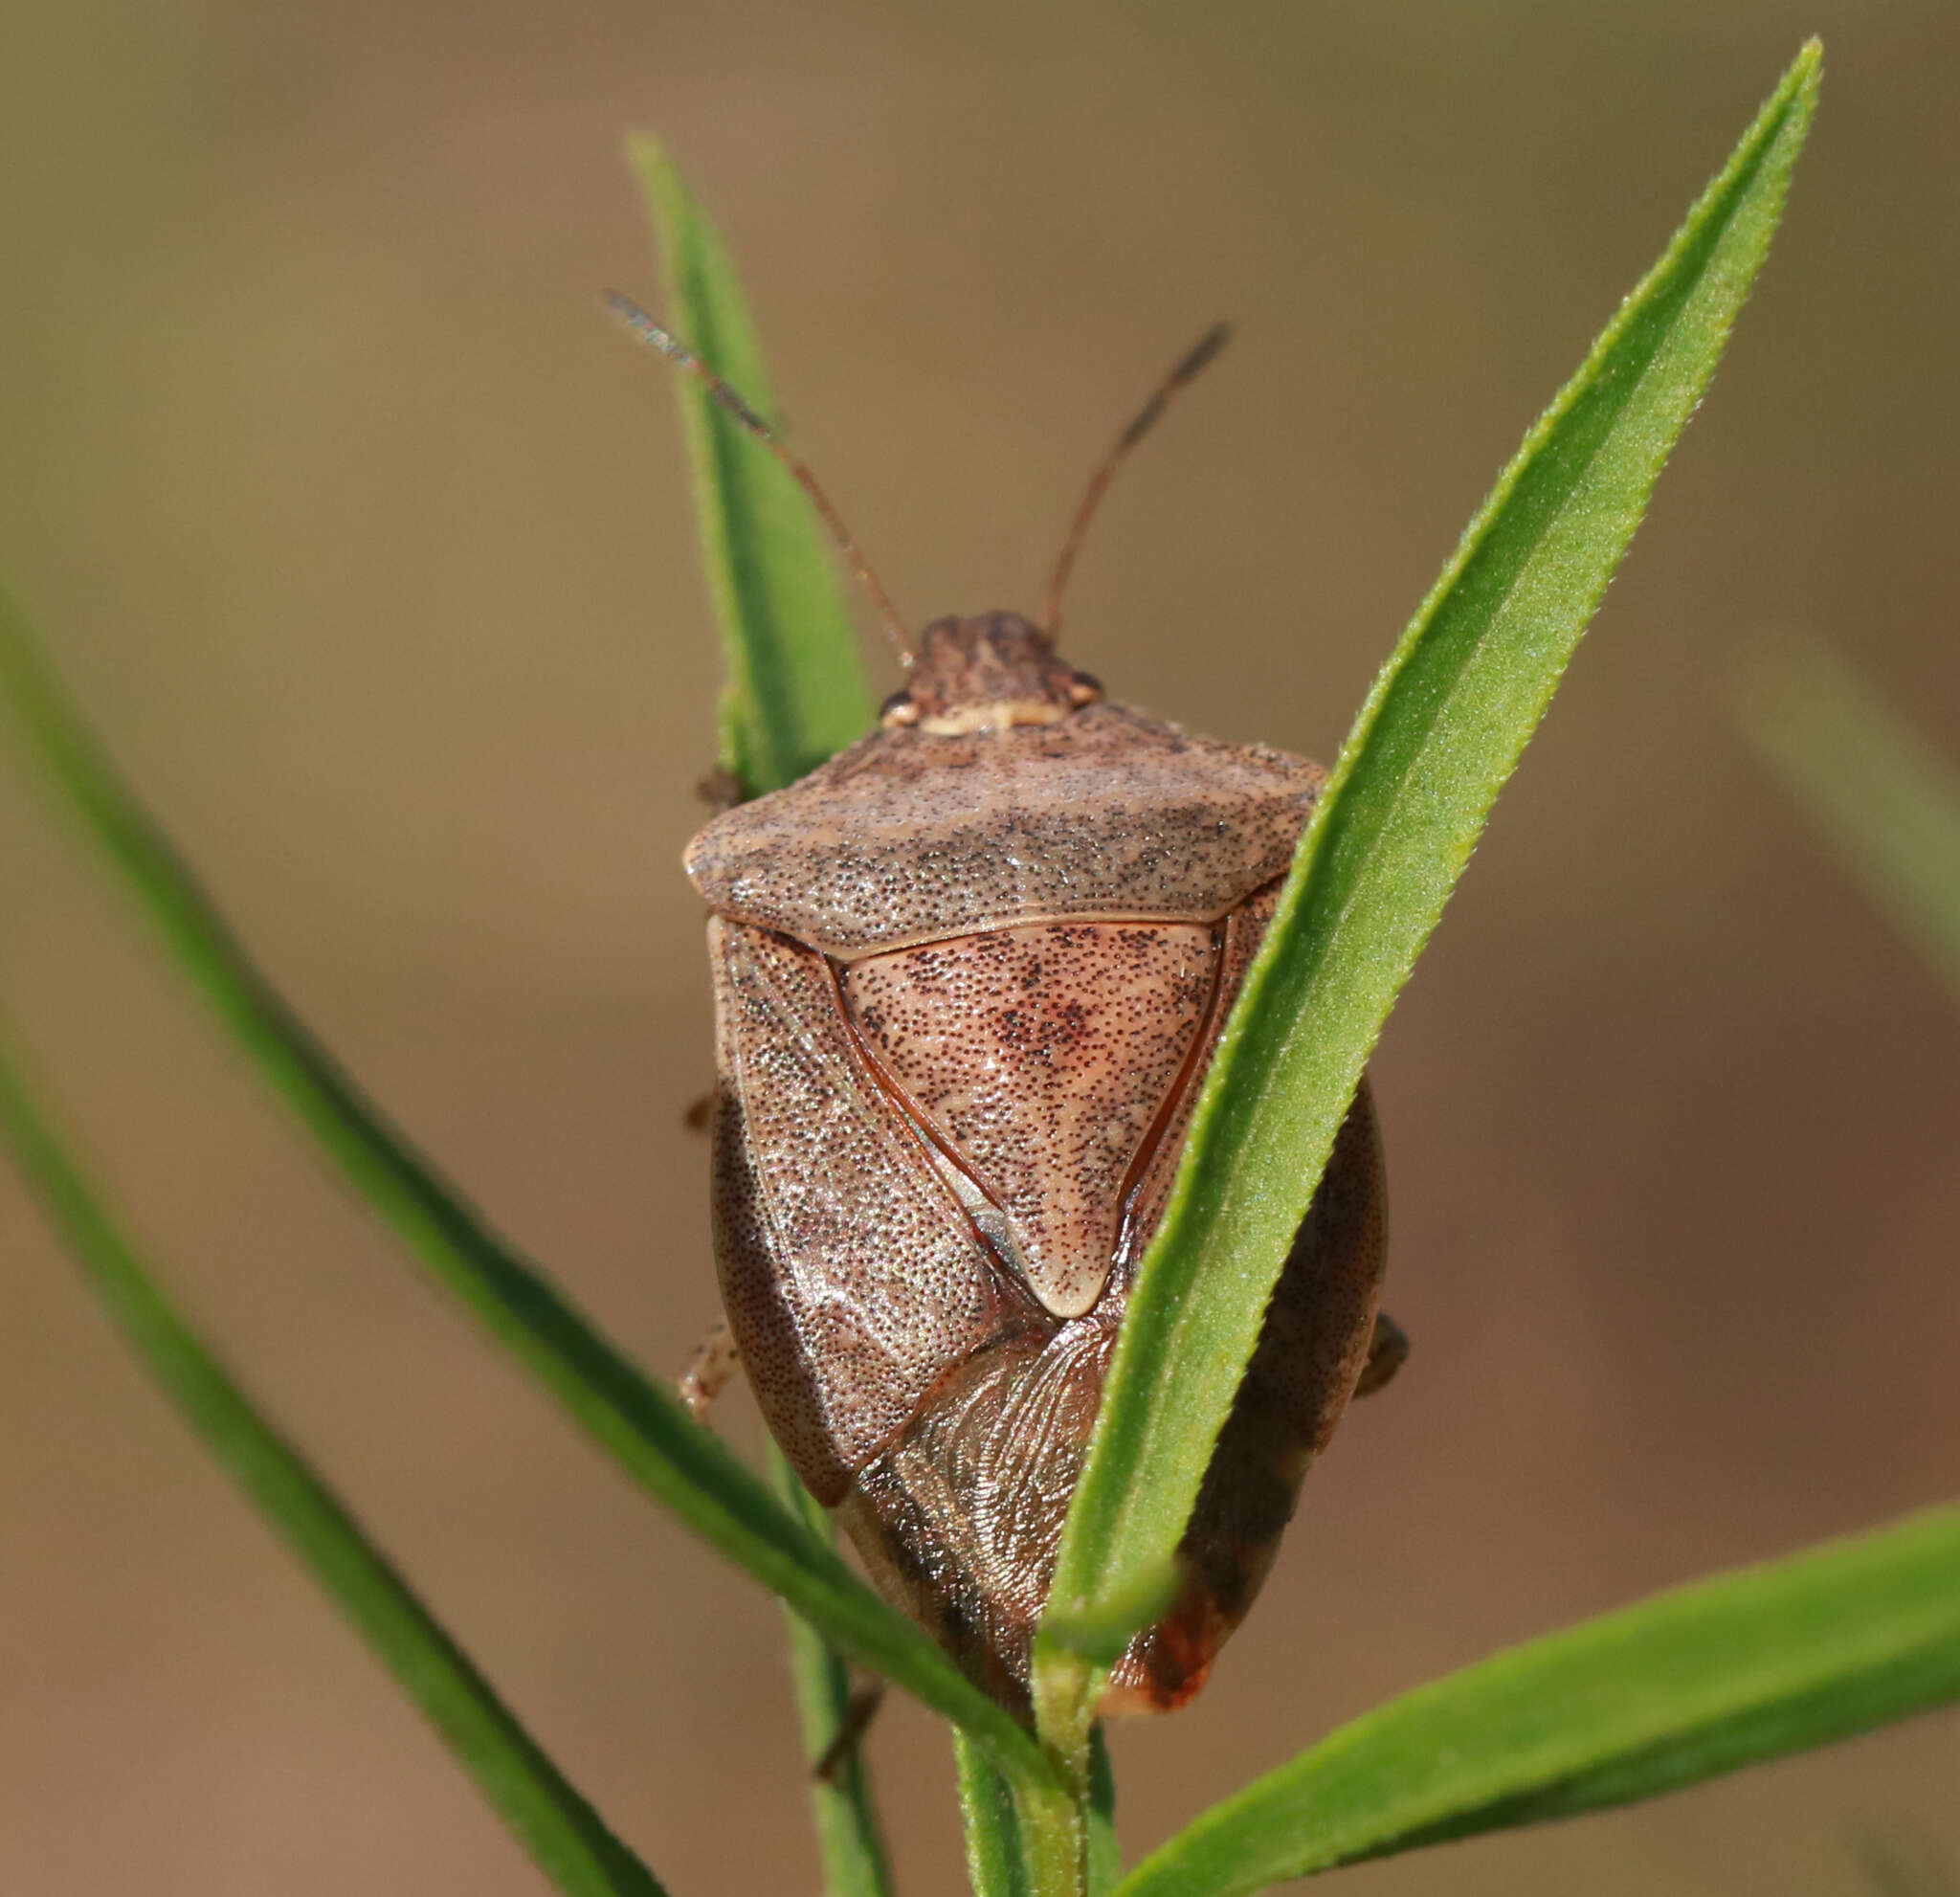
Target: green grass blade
x=850, y=1839
x=565, y=1836
x=996, y=1867
x=1749, y=1666
x=795, y=686
x=1439, y=734
x=642, y=1427
x=1869, y=781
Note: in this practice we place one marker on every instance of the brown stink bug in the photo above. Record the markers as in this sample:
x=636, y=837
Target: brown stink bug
x=968, y=975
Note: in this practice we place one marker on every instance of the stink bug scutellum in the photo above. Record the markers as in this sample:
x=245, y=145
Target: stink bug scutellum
x=968, y=975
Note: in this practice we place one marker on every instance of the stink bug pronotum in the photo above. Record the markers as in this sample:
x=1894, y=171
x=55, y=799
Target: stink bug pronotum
x=968, y=975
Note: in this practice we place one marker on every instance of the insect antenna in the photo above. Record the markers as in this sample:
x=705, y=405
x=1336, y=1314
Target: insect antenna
x=645, y=328
x=1146, y=417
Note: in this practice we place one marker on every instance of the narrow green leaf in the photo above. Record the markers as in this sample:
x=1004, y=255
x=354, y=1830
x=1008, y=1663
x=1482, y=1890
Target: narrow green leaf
x=1871, y=783
x=565, y=1836
x=995, y=1865
x=1752, y=1665
x=795, y=690
x=644, y=1428
x=850, y=1839
x=1432, y=745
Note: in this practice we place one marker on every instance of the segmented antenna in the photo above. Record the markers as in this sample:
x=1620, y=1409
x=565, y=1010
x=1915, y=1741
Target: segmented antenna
x=1196, y=358
x=645, y=328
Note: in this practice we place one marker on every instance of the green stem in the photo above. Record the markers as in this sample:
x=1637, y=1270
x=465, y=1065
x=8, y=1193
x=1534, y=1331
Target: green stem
x=1056, y=1823
x=1054, y=1839
x=997, y=1865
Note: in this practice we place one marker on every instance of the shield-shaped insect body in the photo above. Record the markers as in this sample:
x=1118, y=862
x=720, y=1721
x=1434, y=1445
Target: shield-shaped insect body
x=968, y=975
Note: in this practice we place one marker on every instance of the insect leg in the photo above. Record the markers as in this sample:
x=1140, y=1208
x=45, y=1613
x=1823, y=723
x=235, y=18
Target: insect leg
x=709, y=1370
x=867, y=1695
x=1386, y=1352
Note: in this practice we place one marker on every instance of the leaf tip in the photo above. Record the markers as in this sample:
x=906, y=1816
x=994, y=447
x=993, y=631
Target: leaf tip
x=658, y=178
x=644, y=148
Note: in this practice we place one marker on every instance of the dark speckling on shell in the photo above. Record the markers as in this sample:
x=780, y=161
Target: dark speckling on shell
x=911, y=836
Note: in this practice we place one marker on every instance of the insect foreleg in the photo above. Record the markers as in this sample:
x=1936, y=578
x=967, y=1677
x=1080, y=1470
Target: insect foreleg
x=709, y=1370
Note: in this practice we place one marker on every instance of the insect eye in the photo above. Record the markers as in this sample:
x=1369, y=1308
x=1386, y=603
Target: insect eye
x=898, y=709
x=1084, y=688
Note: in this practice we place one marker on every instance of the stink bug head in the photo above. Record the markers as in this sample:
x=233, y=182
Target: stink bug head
x=987, y=674
x=969, y=974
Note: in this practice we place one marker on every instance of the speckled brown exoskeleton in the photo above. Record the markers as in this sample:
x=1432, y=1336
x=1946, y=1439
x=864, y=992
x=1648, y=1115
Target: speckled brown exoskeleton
x=968, y=975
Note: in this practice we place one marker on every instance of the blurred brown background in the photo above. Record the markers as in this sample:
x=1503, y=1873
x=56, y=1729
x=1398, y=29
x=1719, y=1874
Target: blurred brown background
x=367, y=542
